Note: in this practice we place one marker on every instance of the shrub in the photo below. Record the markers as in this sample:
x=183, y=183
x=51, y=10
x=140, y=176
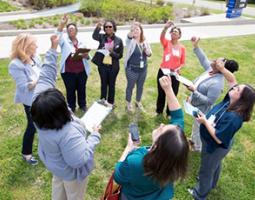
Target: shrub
x=39, y=4
x=6, y=7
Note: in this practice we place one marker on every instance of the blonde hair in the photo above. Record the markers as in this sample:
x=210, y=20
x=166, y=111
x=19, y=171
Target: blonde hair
x=20, y=47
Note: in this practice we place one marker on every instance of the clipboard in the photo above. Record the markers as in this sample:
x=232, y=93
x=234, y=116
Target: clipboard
x=184, y=80
x=189, y=109
x=79, y=52
x=95, y=115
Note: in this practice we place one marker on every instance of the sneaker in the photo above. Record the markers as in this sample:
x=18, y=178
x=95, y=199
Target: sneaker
x=129, y=107
x=190, y=191
x=84, y=108
x=139, y=105
x=31, y=160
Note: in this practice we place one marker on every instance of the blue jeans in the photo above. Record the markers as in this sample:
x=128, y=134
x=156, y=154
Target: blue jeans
x=210, y=169
x=28, y=137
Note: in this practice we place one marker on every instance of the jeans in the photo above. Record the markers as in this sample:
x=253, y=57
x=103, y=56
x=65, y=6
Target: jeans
x=161, y=94
x=75, y=82
x=28, y=137
x=209, y=172
x=108, y=75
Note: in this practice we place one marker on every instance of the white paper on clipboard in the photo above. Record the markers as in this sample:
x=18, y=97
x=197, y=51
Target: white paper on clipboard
x=95, y=115
x=184, y=80
x=188, y=108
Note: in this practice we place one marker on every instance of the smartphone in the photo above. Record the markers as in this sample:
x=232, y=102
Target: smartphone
x=195, y=113
x=133, y=129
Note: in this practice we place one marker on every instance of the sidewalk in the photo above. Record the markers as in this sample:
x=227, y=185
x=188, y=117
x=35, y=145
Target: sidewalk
x=219, y=5
x=7, y=17
x=152, y=33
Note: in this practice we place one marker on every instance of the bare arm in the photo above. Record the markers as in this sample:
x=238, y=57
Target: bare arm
x=163, y=33
x=62, y=23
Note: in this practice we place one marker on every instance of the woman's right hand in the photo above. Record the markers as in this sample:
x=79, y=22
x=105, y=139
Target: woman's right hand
x=32, y=85
x=168, y=24
x=166, y=83
x=99, y=25
x=131, y=144
x=64, y=20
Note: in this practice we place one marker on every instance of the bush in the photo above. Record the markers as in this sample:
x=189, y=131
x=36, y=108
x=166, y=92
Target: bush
x=39, y=4
x=122, y=11
x=6, y=7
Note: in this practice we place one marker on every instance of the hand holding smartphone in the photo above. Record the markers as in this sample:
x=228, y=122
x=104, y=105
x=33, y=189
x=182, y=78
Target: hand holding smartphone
x=133, y=129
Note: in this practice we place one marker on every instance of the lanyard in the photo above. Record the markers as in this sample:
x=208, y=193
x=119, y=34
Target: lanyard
x=221, y=113
x=140, y=47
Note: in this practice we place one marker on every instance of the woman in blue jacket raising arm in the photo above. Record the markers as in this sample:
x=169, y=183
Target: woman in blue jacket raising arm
x=217, y=130
x=64, y=147
x=149, y=173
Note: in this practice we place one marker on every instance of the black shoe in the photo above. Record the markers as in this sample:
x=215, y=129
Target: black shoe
x=31, y=161
x=84, y=108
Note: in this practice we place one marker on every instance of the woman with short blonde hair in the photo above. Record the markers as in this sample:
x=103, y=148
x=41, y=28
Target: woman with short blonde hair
x=25, y=69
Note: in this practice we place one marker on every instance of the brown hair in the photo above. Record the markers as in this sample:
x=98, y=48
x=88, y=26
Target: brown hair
x=167, y=161
x=142, y=38
x=245, y=103
x=20, y=46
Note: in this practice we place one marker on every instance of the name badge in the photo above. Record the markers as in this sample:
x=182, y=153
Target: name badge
x=212, y=119
x=141, y=64
x=167, y=57
x=176, y=52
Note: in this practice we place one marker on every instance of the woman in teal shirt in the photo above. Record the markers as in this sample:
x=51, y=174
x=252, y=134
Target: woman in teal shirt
x=148, y=173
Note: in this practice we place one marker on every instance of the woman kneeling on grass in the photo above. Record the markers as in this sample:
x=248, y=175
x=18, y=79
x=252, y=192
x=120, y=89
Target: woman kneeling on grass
x=149, y=173
x=64, y=148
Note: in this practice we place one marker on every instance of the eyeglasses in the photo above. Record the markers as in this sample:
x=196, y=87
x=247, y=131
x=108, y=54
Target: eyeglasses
x=108, y=27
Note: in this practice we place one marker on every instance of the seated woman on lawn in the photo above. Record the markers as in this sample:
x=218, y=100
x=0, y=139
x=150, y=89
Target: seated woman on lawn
x=149, y=173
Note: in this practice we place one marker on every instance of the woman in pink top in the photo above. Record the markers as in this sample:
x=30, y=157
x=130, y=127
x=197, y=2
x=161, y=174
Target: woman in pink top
x=173, y=60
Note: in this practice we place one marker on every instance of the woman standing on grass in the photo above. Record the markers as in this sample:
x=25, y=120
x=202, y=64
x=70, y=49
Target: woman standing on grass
x=74, y=72
x=136, y=64
x=25, y=68
x=217, y=130
x=149, y=172
x=108, y=68
x=173, y=60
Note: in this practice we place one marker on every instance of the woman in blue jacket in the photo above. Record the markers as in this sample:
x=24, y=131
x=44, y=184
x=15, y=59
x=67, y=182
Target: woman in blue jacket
x=217, y=130
x=148, y=173
x=25, y=68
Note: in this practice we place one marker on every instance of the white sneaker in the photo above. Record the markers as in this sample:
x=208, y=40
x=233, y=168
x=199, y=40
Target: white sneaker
x=139, y=105
x=129, y=107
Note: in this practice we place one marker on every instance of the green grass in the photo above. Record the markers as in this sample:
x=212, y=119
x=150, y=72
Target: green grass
x=6, y=7
x=22, y=182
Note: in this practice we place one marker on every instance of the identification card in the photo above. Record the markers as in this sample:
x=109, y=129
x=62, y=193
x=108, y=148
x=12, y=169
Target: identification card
x=212, y=119
x=167, y=57
x=176, y=52
x=141, y=64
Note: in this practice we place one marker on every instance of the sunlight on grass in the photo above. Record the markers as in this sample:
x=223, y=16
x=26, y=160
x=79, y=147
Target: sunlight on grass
x=22, y=182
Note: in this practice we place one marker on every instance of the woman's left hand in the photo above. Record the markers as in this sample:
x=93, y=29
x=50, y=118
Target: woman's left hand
x=131, y=144
x=201, y=118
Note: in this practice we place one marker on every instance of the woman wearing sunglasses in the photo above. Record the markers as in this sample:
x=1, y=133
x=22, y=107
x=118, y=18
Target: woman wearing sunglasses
x=108, y=64
x=217, y=130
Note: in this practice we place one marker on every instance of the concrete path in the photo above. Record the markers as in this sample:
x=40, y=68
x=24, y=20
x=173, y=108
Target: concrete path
x=36, y=14
x=217, y=5
x=152, y=34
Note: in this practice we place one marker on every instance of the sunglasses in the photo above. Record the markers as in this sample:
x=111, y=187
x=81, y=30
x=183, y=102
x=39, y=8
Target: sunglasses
x=108, y=27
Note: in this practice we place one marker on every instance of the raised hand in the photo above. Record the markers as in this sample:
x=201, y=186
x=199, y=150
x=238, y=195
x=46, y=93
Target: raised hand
x=220, y=64
x=64, y=20
x=54, y=41
x=165, y=83
x=195, y=40
x=168, y=24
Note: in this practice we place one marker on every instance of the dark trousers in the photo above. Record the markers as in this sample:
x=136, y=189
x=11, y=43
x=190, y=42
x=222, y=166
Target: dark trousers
x=108, y=75
x=75, y=82
x=28, y=137
x=161, y=94
x=209, y=172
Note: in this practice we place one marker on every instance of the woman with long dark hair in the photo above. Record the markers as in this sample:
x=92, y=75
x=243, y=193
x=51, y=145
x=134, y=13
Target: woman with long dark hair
x=217, y=131
x=149, y=172
x=109, y=66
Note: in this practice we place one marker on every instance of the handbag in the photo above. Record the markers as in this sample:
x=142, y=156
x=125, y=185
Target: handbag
x=98, y=59
x=112, y=191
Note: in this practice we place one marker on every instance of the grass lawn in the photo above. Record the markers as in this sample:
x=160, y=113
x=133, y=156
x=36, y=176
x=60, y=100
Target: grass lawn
x=22, y=182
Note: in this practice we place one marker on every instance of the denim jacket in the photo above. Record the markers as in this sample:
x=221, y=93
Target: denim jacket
x=23, y=74
x=66, y=49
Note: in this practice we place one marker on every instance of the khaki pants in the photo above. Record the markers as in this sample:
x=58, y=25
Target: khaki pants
x=68, y=190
